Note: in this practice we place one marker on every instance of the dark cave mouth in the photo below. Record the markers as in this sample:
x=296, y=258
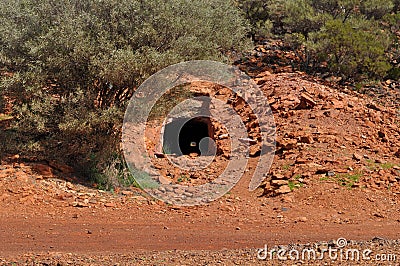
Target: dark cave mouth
x=195, y=136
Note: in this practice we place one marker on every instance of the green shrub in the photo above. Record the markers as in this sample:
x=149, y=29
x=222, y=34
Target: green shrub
x=354, y=49
x=75, y=64
x=352, y=36
x=257, y=13
x=376, y=8
x=392, y=25
x=297, y=16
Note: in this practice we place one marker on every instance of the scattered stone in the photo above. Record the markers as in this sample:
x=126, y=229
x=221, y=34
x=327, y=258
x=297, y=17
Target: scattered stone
x=254, y=151
x=378, y=215
x=302, y=219
x=279, y=182
x=357, y=157
x=79, y=204
x=159, y=155
x=283, y=190
x=43, y=170
x=247, y=141
x=288, y=144
x=127, y=193
x=164, y=181
x=382, y=135
x=224, y=136
x=380, y=161
x=110, y=205
x=306, y=139
x=278, y=176
x=306, y=102
x=330, y=173
x=66, y=169
x=369, y=124
x=373, y=106
x=301, y=161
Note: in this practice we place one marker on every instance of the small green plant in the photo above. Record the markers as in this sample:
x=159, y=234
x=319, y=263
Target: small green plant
x=143, y=180
x=372, y=165
x=114, y=173
x=297, y=177
x=358, y=86
x=295, y=184
x=167, y=148
x=286, y=166
x=348, y=180
x=386, y=166
x=183, y=178
x=292, y=185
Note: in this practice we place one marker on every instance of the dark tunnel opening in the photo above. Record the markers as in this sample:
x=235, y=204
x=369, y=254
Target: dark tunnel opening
x=192, y=137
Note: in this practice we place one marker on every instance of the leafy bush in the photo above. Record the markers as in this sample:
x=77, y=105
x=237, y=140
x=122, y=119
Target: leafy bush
x=353, y=50
x=75, y=64
x=352, y=36
x=297, y=16
x=376, y=8
x=392, y=22
x=257, y=13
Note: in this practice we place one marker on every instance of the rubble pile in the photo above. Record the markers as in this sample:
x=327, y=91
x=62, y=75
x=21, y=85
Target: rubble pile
x=324, y=134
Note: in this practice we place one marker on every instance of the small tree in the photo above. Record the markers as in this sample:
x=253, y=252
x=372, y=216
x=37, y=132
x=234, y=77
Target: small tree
x=376, y=8
x=257, y=13
x=351, y=35
x=75, y=63
x=392, y=25
x=298, y=16
x=353, y=49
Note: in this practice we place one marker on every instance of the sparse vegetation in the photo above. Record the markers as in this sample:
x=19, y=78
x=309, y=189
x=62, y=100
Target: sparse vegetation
x=348, y=180
x=387, y=165
x=286, y=166
x=114, y=174
x=183, y=178
x=295, y=184
x=372, y=165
